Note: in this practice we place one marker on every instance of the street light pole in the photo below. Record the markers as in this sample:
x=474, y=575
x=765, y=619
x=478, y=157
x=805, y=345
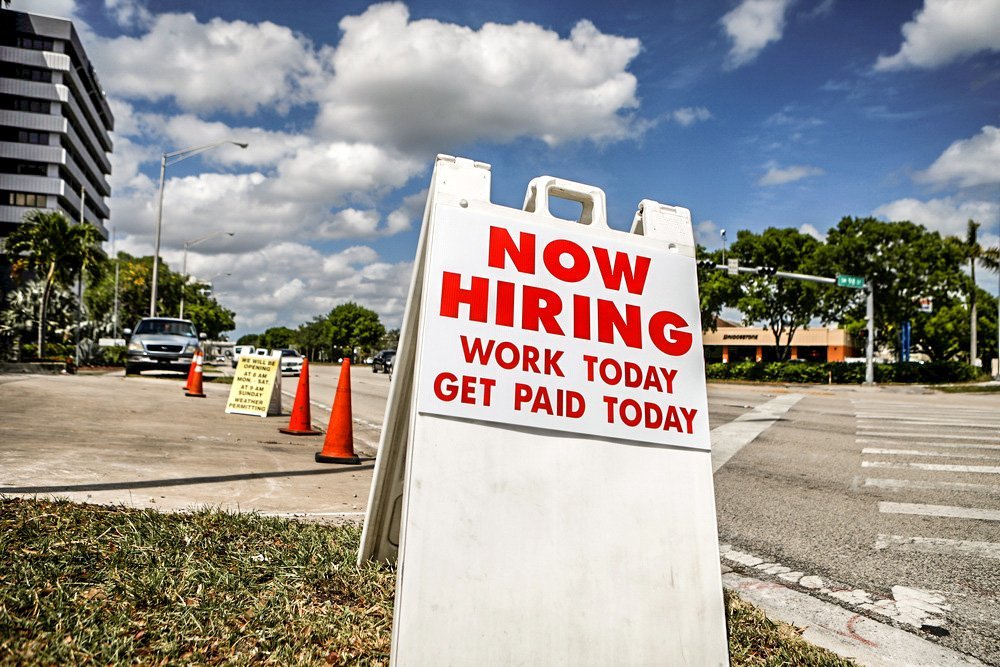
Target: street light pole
x=165, y=159
x=184, y=263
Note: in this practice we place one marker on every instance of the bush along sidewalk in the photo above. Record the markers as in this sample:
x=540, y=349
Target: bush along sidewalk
x=936, y=372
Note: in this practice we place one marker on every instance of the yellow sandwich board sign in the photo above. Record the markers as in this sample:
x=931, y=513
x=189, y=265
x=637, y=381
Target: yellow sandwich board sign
x=256, y=388
x=544, y=476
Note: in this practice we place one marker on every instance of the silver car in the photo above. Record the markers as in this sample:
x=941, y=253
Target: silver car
x=161, y=343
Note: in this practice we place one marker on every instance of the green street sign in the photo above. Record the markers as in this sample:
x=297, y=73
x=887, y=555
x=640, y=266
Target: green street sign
x=855, y=282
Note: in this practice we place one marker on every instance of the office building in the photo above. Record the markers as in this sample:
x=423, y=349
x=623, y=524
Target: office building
x=54, y=123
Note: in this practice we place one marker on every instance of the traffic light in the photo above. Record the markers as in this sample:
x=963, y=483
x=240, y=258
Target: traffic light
x=706, y=264
x=766, y=270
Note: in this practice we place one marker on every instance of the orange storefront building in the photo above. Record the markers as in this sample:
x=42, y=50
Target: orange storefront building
x=730, y=343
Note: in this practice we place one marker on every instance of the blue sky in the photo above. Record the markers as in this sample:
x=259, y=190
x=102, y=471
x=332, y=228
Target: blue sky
x=752, y=113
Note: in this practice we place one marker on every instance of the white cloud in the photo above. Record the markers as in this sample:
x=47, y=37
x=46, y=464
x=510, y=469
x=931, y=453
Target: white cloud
x=945, y=31
x=812, y=231
x=234, y=66
x=968, y=162
x=780, y=176
x=129, y=13
x=948, y=215
x=686, y=116
x=390, y=90
x=706, y=233
x=751, y=26
x=331, y=171
x=425, y=84
x=59, y=8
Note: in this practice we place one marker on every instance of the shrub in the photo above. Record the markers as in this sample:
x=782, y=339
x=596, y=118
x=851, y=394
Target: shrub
x=844, y=373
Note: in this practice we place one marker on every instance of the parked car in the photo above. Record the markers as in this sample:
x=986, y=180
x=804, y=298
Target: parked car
x=161, y=343
x=291, y=362
x=383, y=361
x=240, y=350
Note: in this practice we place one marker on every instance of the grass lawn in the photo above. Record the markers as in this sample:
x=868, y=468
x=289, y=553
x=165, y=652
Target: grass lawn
x=87, y=584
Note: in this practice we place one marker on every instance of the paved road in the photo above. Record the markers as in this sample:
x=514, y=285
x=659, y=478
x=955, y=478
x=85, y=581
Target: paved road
x=887, y=502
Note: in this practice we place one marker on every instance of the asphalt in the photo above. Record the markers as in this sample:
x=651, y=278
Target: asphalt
x=140, y=442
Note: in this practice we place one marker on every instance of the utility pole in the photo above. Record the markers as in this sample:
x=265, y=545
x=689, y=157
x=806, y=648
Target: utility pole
x=870, y=345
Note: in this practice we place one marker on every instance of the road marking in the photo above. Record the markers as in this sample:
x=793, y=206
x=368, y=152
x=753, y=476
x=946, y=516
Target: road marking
x=730, y=438
x=948, y=511
x=925, y=443
x=936, y=467
x=912, y=419
x=918, y=452
x=883, y=483
x=914, y=434
x=939, y=545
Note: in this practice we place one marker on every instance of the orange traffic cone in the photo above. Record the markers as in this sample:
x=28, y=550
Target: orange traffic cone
x=190, y=378
x=196, y=389
x=301, y=421
x=339, y=444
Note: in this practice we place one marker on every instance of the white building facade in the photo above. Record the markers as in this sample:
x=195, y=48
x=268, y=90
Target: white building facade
x=55, y=124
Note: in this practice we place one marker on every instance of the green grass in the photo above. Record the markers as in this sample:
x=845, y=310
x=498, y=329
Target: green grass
x=970, y=388
x=86, y=584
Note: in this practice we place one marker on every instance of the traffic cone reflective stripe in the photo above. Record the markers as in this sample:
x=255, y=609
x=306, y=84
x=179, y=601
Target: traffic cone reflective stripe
x=339, y=444
x=196, y=388
x=301, y=421
x=190, y=377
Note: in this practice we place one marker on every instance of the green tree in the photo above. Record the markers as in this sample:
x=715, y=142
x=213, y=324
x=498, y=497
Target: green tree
x=277, y=337
x=353, y=326
x=784, y=305
x=903, y=262
x=249, y=339
x=134, y=284
x=390, y=340
x=58, y=251
x=312, y=337
x=975, y=253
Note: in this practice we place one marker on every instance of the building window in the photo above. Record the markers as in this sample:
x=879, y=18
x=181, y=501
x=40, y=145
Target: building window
x=31, y=199
x=26, y=73
x=31, y=137
x=9, y=166
x=34, y=43
x=25, y=104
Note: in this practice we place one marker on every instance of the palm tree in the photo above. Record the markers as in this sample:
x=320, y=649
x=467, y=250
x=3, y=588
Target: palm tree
x=988, y=257
x=57, y=251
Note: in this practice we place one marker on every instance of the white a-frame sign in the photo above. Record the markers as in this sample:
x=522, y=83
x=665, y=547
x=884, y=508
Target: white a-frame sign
x=544, y=471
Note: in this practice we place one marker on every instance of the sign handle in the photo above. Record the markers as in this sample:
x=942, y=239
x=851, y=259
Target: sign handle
x=542, y=188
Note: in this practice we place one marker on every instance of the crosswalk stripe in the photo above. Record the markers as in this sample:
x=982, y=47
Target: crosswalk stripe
x=925, y=443
x=936, y=467
x=948, y=511
x=968, y=423
x=927, y=485
x=917, y=452
x=939, y=545
x=869, y=432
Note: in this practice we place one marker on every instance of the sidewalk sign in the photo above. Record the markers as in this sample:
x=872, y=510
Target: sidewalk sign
x=256, y=388
x=544, y=476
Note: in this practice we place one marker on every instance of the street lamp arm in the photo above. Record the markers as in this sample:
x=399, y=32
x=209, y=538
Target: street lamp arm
x=194, y=242
x=185, y=153
x=165, y=159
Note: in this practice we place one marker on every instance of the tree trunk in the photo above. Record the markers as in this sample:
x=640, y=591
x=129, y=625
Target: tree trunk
x=42, y=318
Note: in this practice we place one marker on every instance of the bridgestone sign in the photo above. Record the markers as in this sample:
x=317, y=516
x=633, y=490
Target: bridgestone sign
x=544, y=475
